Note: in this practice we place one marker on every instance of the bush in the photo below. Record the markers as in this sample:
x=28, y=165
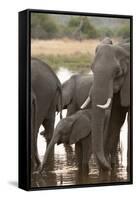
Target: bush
x=43, y=26
x=74, y=22
x=124, y=31
x=105, y=32
x=81, y=27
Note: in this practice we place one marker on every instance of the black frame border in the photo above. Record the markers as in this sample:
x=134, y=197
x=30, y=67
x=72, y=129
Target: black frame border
x=24, y=174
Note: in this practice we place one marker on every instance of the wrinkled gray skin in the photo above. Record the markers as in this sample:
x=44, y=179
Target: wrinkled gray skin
x=46, y=98
x=74, y=92
x=111, y=68
x=106, y=40
x=75, y=129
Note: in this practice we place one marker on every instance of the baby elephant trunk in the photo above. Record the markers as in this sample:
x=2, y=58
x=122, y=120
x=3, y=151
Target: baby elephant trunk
x=49, y=148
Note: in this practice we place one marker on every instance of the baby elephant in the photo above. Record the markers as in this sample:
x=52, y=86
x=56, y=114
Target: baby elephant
x=75, y=129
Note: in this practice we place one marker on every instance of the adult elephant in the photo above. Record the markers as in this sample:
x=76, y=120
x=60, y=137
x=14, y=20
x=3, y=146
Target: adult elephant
x=74, y=92
x=74, y=129
x=110, y=91
x=46, y=98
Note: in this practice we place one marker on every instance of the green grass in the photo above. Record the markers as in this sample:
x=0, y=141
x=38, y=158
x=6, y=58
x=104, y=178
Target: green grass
x=74, y=62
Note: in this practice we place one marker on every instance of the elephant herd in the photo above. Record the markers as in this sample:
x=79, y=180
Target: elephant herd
x=97, y=105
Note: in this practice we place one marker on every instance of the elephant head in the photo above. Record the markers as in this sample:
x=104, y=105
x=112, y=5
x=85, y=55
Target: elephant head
x=106, y=40
x=74, y=92
x=69, y=130
x=111, y=68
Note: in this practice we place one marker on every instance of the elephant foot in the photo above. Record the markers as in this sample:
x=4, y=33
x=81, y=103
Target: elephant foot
x=35, y=165
x=104, y=173
x=39, y=170
x=103, y=163
x=114, y=160
x=85, y=169
x=36, y=172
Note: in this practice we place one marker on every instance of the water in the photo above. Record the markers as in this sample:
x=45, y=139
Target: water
x=61, y=168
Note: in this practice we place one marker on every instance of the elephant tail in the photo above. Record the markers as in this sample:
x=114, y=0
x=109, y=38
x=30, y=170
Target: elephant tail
x=60, y=102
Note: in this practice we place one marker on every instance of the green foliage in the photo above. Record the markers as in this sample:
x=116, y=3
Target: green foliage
x=81, y=26
x=105, y=32
x=89, y=29
x=48, y=26
x=124, y=31
x=78, y=61
x=74, y=21
x=43, y=26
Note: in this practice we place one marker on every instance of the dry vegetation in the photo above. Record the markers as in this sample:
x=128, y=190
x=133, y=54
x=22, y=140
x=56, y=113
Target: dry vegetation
x=73, y=54
x=62, y=47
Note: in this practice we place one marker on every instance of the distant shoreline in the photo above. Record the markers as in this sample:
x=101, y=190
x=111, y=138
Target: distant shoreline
x=72, y=54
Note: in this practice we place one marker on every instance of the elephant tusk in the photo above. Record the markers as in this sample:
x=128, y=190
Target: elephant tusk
x=85, y=103
x=105, y=105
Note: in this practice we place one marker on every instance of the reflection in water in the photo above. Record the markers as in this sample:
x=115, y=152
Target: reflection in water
x=61, y=168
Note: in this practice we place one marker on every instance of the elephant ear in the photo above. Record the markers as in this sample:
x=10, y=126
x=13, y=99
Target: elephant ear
x=125, y=90
x=95, y=58
x=124, y=59
x=80, y=129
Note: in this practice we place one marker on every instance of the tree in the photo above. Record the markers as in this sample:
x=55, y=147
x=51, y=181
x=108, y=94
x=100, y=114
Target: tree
x=81, y=27
x=43, y=26
x=124, y=31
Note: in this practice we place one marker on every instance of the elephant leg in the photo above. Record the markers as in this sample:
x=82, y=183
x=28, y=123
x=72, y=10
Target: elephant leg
x=35, y=162
x=49, y=127
x=118, y=115
x=68, y=149
x=128, y=146
x=86, y=153
x=33, y=158
x=48, y=133
x=69, y=153
x=37, y=156
x=78, y=152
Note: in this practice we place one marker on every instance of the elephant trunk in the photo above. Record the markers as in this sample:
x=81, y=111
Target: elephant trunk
x=101, y=100
x=49, y=148
x=98, y=137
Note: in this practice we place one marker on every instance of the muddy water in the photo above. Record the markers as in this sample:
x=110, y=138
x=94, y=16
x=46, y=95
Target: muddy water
x=62, y=169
